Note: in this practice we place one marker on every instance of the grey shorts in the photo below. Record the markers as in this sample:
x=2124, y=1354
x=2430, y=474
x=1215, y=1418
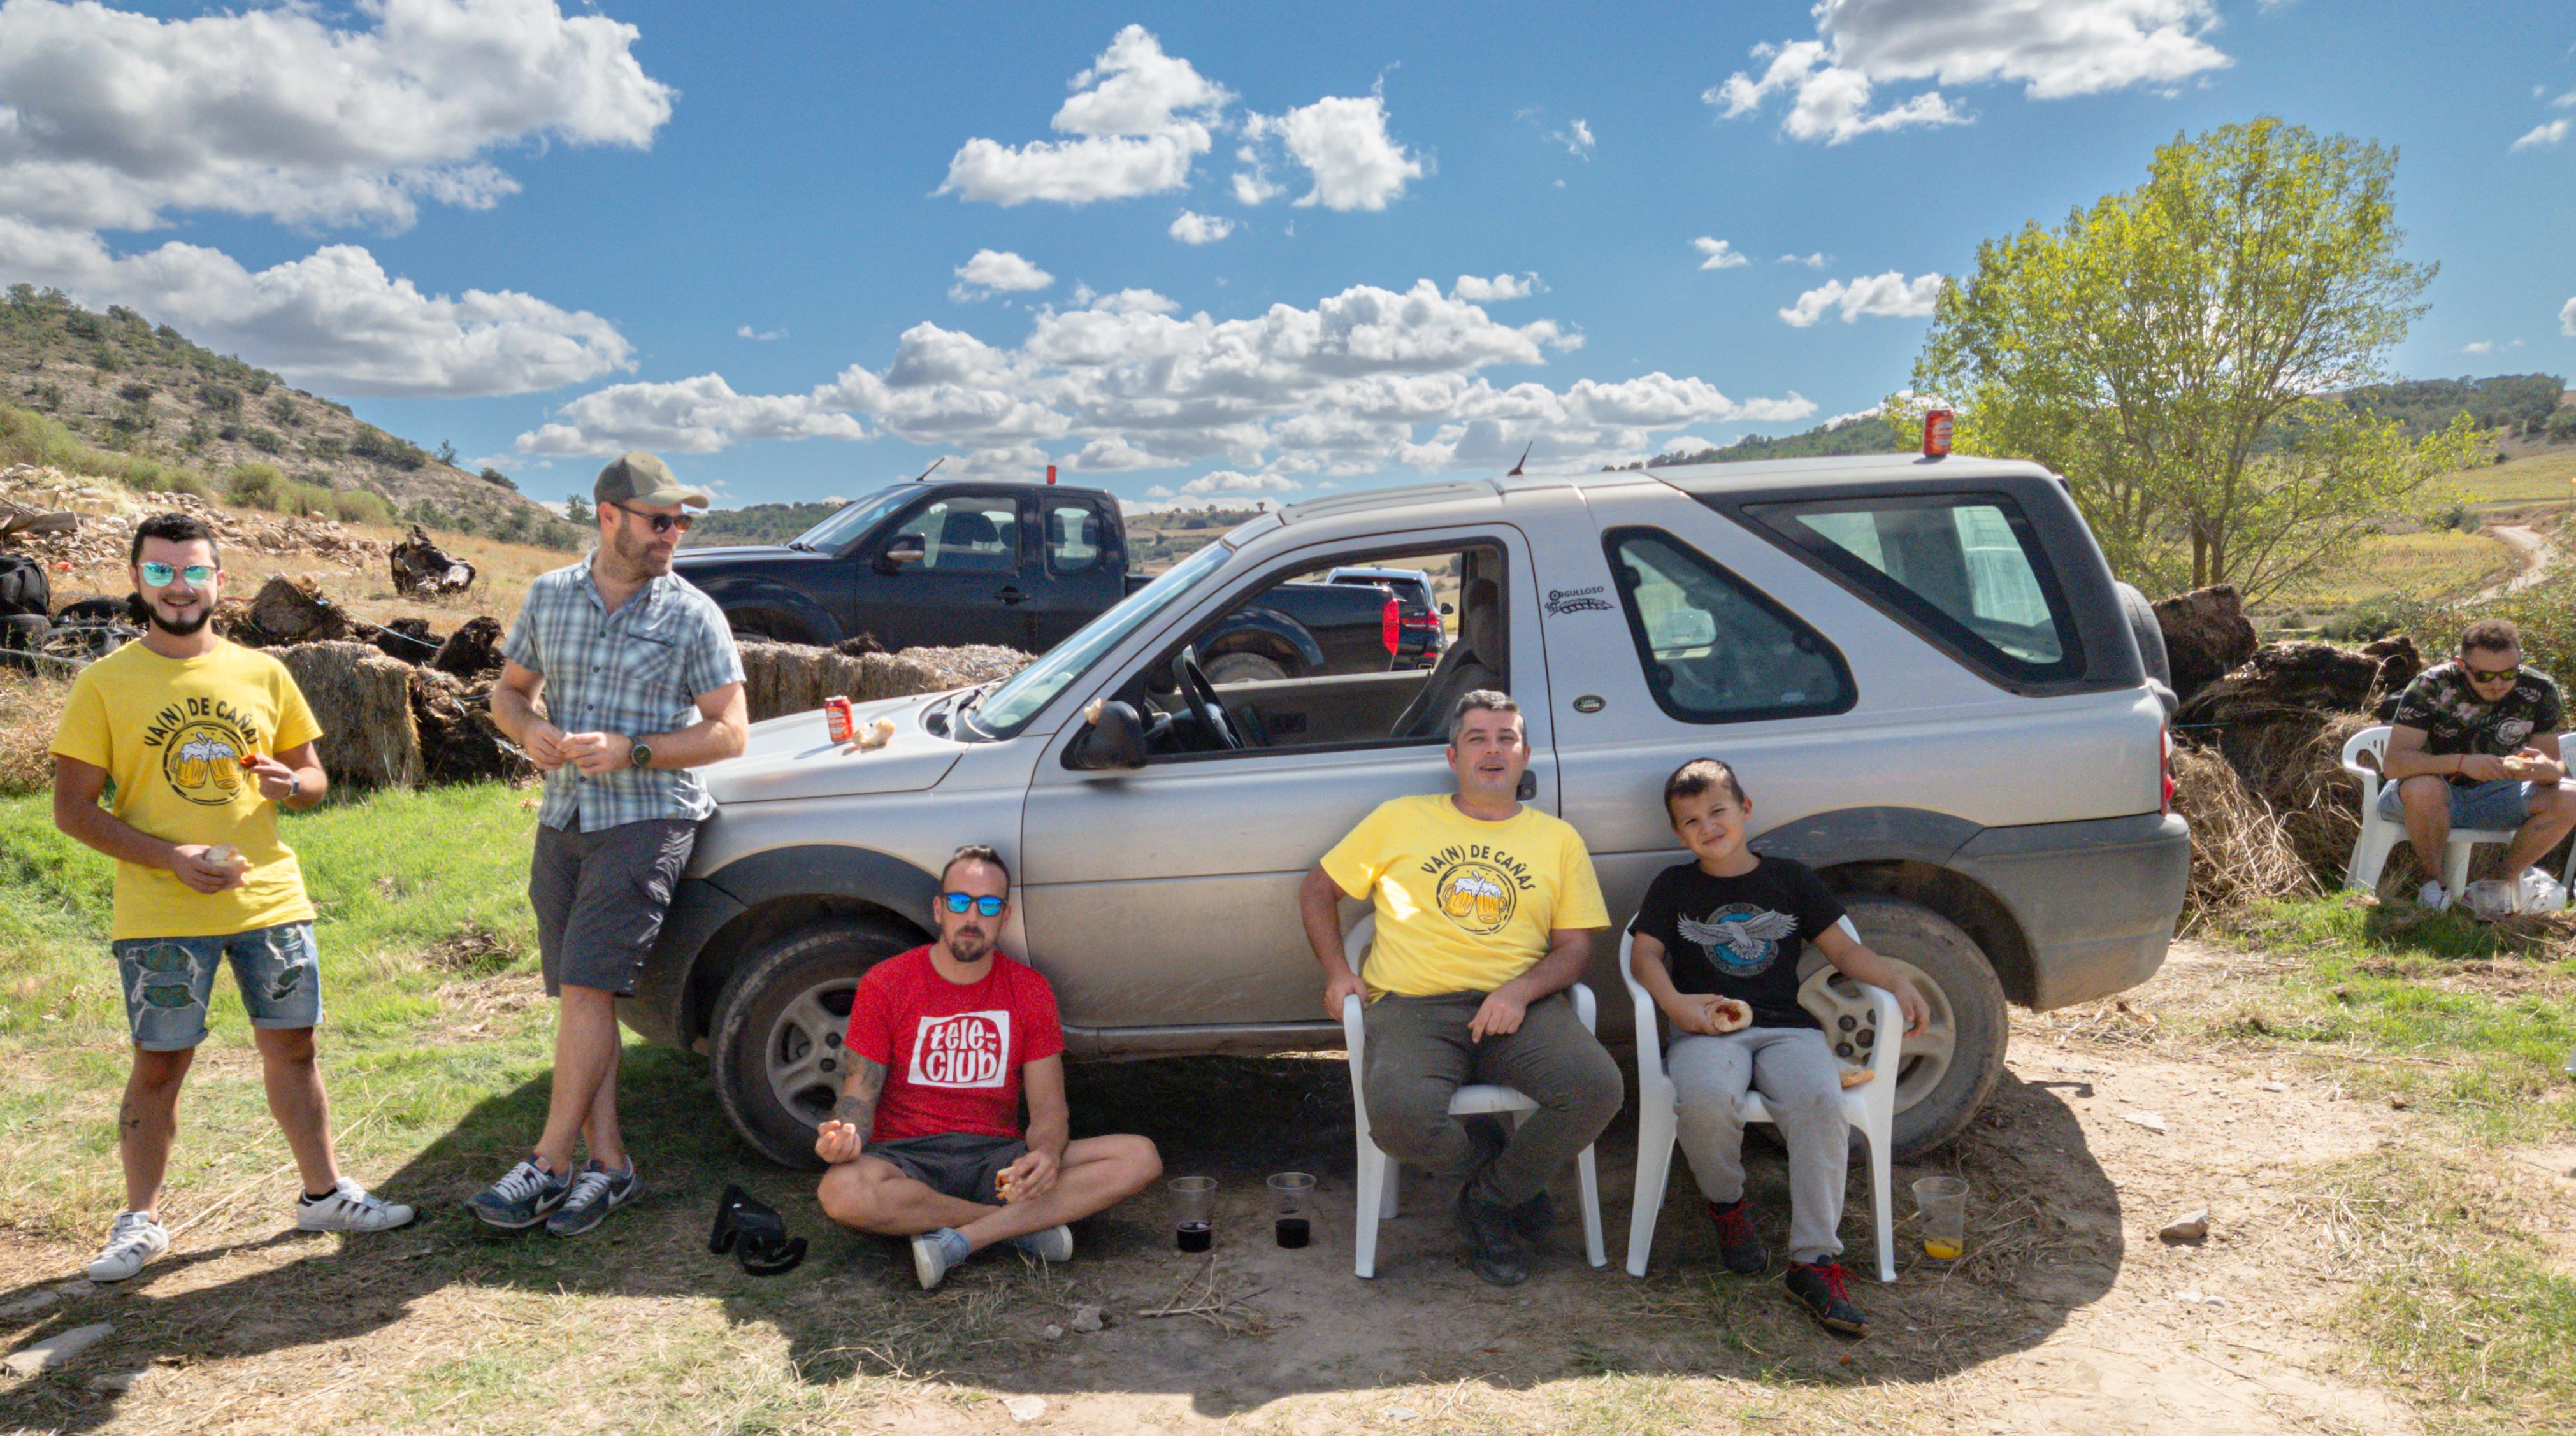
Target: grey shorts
x=2499, y=806
x=167, y=981
x=953, y=1164
x=600, y=898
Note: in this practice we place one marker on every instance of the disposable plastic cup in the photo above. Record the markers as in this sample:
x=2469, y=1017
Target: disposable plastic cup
x=1194, y=1213
x=1941, y=1209
x=1292, y=1197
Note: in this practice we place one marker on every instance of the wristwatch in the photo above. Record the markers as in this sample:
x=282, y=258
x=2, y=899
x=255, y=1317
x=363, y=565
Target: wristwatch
x=294, y=786
x=639, y=754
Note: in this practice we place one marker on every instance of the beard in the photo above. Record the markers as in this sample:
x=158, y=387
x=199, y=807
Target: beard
x=185, y=627
x=639, y=553
x=969, y=946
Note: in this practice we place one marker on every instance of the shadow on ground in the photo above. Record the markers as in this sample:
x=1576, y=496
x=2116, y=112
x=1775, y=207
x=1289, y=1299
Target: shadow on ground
x=2046, y=1241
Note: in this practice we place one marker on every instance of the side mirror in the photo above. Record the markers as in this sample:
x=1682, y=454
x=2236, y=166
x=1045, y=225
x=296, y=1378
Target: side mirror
x=1115, y=739
x=901, y=552
x=1448, y=608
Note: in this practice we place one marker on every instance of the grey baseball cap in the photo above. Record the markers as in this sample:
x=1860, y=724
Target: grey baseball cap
x=640, y=478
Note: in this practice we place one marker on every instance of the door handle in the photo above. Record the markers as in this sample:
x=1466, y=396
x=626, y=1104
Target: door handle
x=1012, y=594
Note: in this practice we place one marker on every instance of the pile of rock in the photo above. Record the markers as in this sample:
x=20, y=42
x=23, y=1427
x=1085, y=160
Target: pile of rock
x=106, y=518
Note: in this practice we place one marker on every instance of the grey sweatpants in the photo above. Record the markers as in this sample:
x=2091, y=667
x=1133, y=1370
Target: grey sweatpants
x=1799, y=1081
x=1419, y=1055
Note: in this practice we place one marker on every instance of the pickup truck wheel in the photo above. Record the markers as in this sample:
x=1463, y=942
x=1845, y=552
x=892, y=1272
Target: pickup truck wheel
x=1244, y=668
x=776, y=1040
x=1949, y=1069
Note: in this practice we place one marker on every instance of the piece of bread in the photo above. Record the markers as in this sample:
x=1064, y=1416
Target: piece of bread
x=1731, y=1015
x=1855, y=1076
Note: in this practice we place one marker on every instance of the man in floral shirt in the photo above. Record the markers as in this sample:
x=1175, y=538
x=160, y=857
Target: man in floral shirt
x=2475, y=745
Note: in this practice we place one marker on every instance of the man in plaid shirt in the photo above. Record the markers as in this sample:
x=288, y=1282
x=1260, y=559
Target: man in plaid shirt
x=641, y=684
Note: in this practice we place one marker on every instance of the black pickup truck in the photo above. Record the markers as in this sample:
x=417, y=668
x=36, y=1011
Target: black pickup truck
x=1024, y=565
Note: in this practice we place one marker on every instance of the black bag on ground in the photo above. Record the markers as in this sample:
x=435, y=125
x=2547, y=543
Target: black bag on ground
x=23, y=586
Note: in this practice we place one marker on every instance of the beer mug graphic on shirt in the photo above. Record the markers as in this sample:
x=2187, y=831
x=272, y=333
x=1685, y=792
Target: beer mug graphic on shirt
x=203, y=763
x=224, y=766
x=1477, y=897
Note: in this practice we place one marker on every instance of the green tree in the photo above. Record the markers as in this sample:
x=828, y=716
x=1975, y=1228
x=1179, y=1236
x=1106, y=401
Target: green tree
x=2169, y=350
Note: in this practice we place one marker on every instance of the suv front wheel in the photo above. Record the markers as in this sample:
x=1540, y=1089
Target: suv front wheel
x=776, y=1044
x=1950, y=1068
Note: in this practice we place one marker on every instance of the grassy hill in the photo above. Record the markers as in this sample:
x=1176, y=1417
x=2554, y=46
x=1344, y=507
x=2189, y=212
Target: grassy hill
x=176, y=414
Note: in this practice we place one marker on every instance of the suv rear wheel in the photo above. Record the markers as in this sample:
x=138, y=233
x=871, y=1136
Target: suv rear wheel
x=1949, y=1069
x=776, y=1042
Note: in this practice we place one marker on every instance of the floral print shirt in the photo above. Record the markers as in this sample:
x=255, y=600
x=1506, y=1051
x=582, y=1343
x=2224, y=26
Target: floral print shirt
x=2456, y=720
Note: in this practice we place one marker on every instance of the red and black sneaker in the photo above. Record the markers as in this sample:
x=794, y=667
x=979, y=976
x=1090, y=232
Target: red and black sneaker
x=1737, y=1245
x=1818, y=1286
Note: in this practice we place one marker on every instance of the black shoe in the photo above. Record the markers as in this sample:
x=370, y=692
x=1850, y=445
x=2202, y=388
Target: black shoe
x=1818, y=1286
x=1491, y=1253
x=1737, y=1245
x=1534, y=1221
x=1487, y=1135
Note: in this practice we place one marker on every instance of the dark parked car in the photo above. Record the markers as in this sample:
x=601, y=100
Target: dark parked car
x=1023, y=565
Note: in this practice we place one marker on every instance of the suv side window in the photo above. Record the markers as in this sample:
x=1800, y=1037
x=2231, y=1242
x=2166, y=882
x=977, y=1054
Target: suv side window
x=1967, y=567
x=969, y=533
x=1074, y=530
x=1715, y=649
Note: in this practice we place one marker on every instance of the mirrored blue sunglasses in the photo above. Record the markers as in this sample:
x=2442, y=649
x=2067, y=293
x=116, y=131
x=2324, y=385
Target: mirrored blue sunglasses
x=959, y=902
x=158, y=575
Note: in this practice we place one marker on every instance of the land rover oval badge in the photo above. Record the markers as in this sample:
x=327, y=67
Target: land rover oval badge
x=1589, y=703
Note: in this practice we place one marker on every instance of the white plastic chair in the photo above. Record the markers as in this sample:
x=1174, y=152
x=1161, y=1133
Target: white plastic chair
x=1871, y=1107
x=1379, y=1175
x=2380, y=836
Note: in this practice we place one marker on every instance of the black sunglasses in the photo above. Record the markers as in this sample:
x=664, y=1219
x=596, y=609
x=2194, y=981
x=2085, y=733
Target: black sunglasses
x=662, y=523
x=959, y=902
x=2481, y=675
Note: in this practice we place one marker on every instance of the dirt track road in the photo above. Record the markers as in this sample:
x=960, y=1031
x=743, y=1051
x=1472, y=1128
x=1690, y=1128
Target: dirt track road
x=2531, y=549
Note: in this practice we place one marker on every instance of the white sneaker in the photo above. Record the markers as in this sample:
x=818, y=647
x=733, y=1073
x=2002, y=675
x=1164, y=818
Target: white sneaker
x=350, y=1209
x=2433, y=899
x=1052, y=1244
x=136, y=1238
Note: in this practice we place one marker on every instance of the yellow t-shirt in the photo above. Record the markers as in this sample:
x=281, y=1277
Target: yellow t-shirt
x=1463, y=905
x=172, y=734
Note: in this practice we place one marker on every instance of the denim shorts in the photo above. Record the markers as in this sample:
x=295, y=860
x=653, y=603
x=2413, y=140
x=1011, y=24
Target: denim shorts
x=167, y=981
x=2500, y=806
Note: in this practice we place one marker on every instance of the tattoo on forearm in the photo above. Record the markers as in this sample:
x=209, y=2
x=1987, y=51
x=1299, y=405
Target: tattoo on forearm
x=858, y=1104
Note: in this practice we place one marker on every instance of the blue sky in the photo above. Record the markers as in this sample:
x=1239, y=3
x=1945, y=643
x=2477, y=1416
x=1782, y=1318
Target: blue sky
x=546, y=233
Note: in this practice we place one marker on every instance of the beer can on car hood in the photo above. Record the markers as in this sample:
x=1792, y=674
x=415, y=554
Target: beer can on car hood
x=794, y=757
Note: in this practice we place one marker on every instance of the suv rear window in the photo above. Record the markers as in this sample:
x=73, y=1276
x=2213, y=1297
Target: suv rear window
x=1715, y=649
x=1966, y=568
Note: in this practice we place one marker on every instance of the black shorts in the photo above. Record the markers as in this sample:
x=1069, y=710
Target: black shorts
x=954, y=1164
x=600, y=898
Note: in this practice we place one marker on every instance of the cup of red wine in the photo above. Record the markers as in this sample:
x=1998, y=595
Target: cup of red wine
x=1194, y=1213
x=1292, y=1198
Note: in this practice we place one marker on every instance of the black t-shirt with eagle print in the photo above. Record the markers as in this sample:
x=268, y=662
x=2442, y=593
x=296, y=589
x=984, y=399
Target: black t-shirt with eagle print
x=1740, y=937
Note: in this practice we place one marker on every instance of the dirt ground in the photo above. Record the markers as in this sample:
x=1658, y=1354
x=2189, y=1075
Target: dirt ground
x=2068, y=1314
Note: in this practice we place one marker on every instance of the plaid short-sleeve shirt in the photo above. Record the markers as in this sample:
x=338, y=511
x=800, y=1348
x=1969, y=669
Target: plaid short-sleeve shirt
x=637, y=671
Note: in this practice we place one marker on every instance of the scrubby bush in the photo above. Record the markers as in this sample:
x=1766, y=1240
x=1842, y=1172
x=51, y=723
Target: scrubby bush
x=222, y=398
x=498, y=480
x=255, y=485
x=2545, y=612
x=371, y=442
x=323, y=446
x=357, y=506
x=135, y=391
x=265, y=440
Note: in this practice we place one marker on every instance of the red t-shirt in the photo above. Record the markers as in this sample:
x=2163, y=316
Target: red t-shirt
x=952, y=1051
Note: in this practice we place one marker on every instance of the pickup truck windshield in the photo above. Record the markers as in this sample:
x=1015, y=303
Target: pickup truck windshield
x=851, y=520
x=1008, y=709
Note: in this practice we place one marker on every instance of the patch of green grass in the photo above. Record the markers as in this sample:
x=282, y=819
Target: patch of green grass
x=2469, y=1019
x=2539, y=478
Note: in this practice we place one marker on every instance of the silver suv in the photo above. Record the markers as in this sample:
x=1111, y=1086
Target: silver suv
x=1922, y=668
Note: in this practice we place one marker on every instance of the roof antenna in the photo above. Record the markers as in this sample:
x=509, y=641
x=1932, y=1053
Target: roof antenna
x=1523, y=459
x=935, y=463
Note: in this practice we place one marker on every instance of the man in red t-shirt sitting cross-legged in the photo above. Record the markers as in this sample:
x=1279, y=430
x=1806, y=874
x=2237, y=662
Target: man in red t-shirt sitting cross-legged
x=925, y=1142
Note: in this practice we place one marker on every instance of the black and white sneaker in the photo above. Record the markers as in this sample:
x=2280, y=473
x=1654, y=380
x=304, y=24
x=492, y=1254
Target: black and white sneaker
x=522, y=1198
x=595, y=1193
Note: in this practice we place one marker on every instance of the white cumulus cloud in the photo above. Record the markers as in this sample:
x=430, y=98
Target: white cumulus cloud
x=2542, y=136
x=997, y=271
x=1722, y=254
x=1191, y=227
x=1817, y=260
x=759, y=336
x=1141, y=118
x=1229, y=481
x=1476, y=290
x=2052, y=48
x=117, y=121
x=1342, y=143
x=333, y=319
x=1889, y=295
x=1359, y=380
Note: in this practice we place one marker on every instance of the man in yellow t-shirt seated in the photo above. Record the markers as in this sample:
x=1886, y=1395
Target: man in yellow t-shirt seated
x=1485, y=915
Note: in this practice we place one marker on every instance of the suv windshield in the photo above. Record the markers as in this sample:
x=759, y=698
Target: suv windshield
x=851, y=520
x=1008, y=709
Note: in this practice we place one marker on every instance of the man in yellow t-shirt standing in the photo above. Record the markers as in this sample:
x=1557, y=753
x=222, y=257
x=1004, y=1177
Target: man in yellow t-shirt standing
x=204, y=741
x=1485, y=915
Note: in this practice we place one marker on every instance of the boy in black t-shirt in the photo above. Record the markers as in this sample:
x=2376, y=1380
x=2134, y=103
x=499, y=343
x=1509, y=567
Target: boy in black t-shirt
x=1714, y=938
